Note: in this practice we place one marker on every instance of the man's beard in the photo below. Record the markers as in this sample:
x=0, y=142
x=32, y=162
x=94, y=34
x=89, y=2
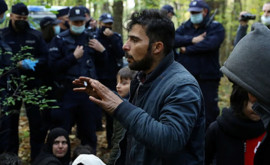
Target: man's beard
x=143, y=64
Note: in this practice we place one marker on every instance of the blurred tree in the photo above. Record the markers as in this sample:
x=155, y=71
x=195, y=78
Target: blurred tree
x=118, y=16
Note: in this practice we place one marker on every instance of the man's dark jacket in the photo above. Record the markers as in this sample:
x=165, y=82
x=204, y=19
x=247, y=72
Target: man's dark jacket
x=165, y=123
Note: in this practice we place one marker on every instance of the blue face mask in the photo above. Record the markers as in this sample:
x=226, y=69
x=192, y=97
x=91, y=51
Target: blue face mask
x=3, y=19
x=56, y=29
x=77, y=29
x=196, y=18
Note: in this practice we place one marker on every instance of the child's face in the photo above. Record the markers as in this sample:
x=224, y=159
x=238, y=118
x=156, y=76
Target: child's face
x=122, y=86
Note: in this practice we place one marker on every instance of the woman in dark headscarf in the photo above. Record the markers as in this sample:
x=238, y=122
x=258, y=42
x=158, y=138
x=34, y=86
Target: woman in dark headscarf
x=56, y=150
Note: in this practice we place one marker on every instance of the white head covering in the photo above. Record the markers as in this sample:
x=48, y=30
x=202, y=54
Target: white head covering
x=88, y=159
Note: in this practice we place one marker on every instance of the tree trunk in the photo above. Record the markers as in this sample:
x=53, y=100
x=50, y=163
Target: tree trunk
x=118, y=16
x=106, y=7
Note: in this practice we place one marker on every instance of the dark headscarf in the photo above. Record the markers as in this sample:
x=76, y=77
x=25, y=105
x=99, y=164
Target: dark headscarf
x=47, y=148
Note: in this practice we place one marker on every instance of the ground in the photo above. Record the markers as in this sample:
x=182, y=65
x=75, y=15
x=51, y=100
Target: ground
x=102, y=151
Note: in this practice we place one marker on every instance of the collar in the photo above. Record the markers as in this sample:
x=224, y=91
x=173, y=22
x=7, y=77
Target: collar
x=163, y=65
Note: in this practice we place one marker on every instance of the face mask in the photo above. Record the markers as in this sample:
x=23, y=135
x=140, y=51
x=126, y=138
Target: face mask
x=104, y=27
x=77, y=29
x=66, y=24
x=56, y=29
x=3, y=19
x=21, y=25
x=265, y=20
x=196, y=18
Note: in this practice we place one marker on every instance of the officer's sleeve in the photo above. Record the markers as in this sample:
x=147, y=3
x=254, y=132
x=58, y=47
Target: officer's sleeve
x=42, y=55
x=117, y=45
x=214, y=37
x=59, y=60
x=181, y=39
x=241, y=32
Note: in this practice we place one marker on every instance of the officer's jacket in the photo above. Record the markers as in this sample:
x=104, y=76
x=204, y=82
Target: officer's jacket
x=109, y=63
x=201, y=59
x=62, y=61
x=31, y=38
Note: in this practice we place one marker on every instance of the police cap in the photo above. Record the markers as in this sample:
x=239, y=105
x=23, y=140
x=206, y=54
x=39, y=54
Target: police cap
x=62, y=12
x=168, y=8
x=106, y=18
x=197, y=6
x=20, y=9
x=76, y=14
x=48, y=21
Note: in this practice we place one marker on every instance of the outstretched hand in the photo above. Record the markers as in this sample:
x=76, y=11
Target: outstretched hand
x=98, y=93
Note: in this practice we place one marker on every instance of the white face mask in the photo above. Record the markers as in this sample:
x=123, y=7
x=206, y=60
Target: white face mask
x=196, y=18
x=78, y=29
x=265, y=20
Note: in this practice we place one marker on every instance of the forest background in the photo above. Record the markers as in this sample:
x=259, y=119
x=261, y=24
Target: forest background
x=227, y=14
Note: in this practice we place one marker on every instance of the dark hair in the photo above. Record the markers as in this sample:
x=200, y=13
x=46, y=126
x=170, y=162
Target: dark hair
x=158, y=27
x=82, y=149
x=239, y=99
x=47, y=33
x=126, y=73
x=9, y=159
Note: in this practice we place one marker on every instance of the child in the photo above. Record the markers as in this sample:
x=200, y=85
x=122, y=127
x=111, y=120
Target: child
x=124, y=77
x=234, y=137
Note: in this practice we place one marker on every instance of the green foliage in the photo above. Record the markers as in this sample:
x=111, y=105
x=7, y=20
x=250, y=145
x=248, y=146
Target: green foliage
x=17, y=89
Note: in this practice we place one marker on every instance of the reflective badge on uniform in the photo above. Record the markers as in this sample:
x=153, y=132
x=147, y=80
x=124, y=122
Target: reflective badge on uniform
x=30, y=41
x=53, y=49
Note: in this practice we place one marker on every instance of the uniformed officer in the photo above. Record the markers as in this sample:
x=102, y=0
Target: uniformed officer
x=3, y=50
x=199, y=40
x=17, y=35
x=62, y=15
x=169, y=10
x=110, y=62
x=70, y=57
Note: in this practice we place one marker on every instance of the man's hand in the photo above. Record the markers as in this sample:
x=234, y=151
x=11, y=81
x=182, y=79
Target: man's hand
x=99, y=93
x=199, y=38
x=78, y=53
x=95, y=44
x=108, y=32
x=243, y=22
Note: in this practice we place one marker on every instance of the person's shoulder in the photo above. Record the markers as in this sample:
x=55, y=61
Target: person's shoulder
x=179, y=75
x=61, y=36
x=185, y=24
x=47, y=159
x=64, y=33
x=213, y=126
x=216, y=24
x=35, y=33
x=117, y=34
x=4, y=31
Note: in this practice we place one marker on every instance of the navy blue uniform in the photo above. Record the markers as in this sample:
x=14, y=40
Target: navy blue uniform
x=107, y=67
x=202, y=60
x=109, y=63
x=74, y=107
x=15, y=41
